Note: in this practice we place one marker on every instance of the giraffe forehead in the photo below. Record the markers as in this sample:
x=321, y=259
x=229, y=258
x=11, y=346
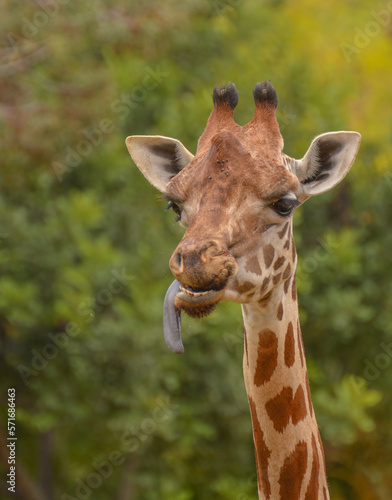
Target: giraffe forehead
x=233, y=165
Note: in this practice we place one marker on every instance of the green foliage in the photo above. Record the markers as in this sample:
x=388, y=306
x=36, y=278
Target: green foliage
x=85, y=243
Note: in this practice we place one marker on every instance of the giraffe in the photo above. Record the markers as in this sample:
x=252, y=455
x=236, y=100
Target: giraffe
x=236, y=198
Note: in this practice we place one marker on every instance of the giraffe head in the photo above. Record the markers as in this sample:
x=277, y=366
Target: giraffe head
x=236, y=198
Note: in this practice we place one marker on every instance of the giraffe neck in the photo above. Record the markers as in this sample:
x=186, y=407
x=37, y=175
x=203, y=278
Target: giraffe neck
x=289, y=453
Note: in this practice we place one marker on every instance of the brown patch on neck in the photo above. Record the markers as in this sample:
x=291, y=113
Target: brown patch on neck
x=309, y=396
x=246, y=287
x=279, y=312
x=245, y=344
x=276, y=279
x=294, y=253
x=286, y=285
x=293, y=472
x=252, y=265
x=300, y=344
x=289, y=346
x=266, y=298
x=294, y=290
x=284, y=407
x=283, y=231
x=279, y=262
x=322, y=454
x=267, y=357
x=298, y=409
x=262, y=452
x=286, y=273
x=269, y=253
x=313, y=486
x=264, y=286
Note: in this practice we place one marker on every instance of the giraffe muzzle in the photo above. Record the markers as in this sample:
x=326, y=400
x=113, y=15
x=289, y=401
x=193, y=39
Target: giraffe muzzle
x=178, y=297
x=202, y=271
x=201, y=280
x=202, y=286
x=202, y=266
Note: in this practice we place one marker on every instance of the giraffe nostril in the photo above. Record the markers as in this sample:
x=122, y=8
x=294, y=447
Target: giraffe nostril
x=177, y=261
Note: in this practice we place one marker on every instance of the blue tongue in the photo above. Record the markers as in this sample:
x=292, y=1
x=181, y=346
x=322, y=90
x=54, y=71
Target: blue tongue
x=172, y=319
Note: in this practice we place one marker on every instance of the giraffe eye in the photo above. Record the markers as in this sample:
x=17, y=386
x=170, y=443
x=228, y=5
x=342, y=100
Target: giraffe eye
x=176, y=210
x=285, y=206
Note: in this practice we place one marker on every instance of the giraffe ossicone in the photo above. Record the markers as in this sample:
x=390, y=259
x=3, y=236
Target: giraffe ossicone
x=236, y=198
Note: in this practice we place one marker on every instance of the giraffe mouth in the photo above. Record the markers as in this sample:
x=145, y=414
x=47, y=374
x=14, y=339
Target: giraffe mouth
x=193, y=292
x=195, y=302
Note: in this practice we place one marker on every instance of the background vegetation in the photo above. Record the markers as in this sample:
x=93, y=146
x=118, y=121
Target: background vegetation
x=104, y=410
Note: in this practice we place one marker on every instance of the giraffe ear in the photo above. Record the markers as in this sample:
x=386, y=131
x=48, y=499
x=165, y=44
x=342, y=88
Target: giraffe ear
x=158, y=158
x=326, y=162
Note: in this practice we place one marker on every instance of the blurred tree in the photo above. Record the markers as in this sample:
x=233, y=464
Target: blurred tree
x=103, y=409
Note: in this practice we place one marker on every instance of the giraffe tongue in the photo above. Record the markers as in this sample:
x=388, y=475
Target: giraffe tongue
x=172, y=319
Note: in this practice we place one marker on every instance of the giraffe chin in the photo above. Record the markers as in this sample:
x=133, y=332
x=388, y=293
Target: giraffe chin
x=197, y=304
